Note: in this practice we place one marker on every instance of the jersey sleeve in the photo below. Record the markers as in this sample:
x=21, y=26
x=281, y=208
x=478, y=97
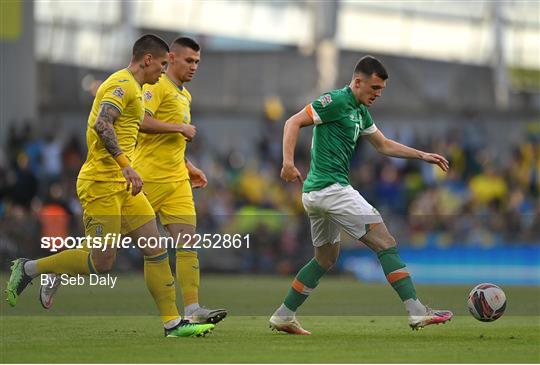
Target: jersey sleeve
x=118, y=95
x=369, y=125
x=326, y=109
x=152, y=98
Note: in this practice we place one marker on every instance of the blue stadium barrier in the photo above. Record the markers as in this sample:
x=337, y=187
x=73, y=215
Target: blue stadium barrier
x=505, y=265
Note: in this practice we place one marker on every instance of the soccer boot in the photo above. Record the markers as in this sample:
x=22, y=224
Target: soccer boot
x=203, y=315
x=46, y=292
x=186, y=329
x=18, y=281
x=432, y=316
x=291, y=326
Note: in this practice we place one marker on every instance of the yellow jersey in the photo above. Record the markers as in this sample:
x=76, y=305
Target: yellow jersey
x=160, y=157
x=122, y=91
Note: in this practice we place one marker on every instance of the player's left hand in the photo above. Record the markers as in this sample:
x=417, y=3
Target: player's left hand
x=198, y=178
x=436, y=160
x=133, y=180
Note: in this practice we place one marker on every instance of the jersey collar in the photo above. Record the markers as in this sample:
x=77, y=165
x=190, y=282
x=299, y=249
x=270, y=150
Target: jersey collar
x=133, y=77
x=350, y=93
x=181, y=87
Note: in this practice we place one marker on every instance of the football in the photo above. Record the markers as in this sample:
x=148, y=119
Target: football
x=486, y=302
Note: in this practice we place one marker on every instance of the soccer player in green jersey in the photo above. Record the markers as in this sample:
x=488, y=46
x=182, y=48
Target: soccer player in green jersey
x=340, y=117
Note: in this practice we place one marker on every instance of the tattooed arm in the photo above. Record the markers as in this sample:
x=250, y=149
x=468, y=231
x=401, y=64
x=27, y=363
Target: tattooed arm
x=104, y=127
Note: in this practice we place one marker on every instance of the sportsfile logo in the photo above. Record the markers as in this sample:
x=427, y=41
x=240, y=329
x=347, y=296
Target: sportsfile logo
x=116, y=240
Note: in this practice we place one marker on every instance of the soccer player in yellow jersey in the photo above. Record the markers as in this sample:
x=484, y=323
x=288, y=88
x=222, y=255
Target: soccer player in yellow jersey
x=109, y=204
x=160, y=160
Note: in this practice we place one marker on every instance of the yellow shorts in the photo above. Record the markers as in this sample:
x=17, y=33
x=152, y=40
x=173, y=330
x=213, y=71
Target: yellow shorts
x=172, y=202
x=109, y=208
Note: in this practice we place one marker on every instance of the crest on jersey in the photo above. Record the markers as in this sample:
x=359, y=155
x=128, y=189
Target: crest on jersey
x=119, y=92
x=325, y=100
x=147, y=95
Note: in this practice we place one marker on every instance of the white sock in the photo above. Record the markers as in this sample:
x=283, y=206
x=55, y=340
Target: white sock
x=30, y=268
x=172, y=323
x=285, y=312
x=415, y=307
x=191, y=308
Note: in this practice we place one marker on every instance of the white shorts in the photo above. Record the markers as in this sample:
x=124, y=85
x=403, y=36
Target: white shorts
x=335, y=208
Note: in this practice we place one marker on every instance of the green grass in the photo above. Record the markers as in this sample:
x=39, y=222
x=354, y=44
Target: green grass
x=351, y=322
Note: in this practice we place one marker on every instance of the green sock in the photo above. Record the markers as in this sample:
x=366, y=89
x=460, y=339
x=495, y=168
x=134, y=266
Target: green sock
x=303, y=284
x=396, y=273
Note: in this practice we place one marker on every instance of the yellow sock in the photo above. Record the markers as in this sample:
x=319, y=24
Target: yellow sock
x=188, y=275
x=70, y=262
x=160, y=283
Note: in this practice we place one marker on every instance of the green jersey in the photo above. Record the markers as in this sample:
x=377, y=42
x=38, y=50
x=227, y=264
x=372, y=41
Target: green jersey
x=339, y=121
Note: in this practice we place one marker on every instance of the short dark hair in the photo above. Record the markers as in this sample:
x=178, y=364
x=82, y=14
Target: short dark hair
x=369, y=65
x=186, y=42
x=149, y=43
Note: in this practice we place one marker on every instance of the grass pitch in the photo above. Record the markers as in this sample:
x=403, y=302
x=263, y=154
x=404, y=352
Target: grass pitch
x=351, y=322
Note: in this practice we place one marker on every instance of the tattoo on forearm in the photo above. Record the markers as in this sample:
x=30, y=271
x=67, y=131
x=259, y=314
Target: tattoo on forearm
x=105, y=129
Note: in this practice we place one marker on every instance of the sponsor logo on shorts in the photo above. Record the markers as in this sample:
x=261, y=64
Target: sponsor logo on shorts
x=99, y=230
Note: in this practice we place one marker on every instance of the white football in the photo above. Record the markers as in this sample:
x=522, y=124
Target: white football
x=486, y=302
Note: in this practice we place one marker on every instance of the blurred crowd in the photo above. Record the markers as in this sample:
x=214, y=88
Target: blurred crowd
x=490, y=196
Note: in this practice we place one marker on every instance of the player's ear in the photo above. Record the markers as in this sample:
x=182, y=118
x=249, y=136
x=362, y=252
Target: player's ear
x=170, y=57
x=147, y=59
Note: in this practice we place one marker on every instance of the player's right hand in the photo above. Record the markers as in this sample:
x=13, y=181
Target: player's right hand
x=189, y=131
x=436, y=160
x=133, y=180
x=290, y=173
